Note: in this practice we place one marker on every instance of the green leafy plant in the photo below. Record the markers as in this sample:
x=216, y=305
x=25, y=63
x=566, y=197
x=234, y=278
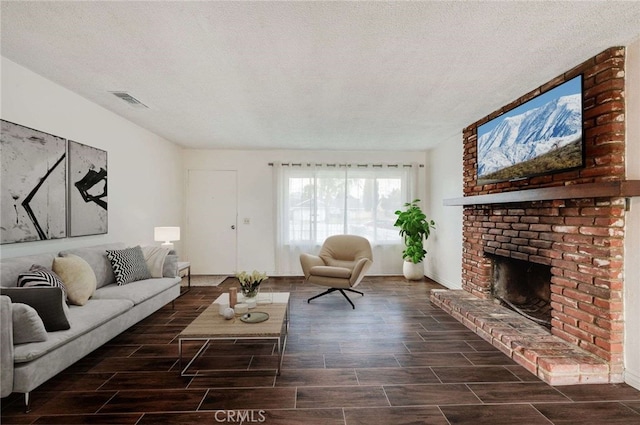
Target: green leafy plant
x=415, y=228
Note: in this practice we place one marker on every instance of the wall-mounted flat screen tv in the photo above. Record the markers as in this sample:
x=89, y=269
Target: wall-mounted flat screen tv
x=541, y=136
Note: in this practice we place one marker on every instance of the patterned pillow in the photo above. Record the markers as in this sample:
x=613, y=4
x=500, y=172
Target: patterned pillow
x=40, y=276
x=128, y=265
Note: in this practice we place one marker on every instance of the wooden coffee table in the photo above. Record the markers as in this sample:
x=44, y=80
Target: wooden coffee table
x=211, y=326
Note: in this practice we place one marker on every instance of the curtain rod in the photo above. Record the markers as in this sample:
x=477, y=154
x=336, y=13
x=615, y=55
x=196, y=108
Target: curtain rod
x=300, y=164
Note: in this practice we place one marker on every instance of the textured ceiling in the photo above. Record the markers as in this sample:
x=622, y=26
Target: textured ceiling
x=309, y=75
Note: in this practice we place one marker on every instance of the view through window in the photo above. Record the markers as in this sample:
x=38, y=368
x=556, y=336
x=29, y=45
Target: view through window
x=324, y=202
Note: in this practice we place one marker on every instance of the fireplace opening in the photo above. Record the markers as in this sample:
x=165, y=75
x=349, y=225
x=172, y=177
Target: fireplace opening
x=524, y=287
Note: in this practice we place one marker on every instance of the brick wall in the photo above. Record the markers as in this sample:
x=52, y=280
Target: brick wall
x=581, y=239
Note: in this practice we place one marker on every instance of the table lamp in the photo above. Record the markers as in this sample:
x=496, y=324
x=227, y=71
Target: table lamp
x=166, y=235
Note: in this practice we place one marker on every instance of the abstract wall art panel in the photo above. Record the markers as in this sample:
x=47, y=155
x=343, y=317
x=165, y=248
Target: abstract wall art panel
x=87, y=190
x=33, y=184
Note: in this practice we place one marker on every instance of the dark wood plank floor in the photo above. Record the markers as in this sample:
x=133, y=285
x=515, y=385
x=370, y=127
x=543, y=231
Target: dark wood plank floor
x=395, y=359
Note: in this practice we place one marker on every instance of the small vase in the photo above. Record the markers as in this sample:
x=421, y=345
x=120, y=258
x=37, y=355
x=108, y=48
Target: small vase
x=251, y=294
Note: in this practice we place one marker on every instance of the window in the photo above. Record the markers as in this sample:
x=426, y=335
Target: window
x=321, y=203
x=315, y=202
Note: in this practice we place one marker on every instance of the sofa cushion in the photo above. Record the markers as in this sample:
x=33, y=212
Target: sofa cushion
x=128, y=265
x=27, y=325
x=12, y=267
x=40, y=276
x=138, y=291
x=78, y=278
x=96, y=256
x=327, y=271
x=48, y=302
x=83, y=320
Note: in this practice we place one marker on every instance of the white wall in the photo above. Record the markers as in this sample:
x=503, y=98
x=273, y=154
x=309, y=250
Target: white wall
x=256, y=241
x=632, y=236
x=444, y=178
x=144, y=170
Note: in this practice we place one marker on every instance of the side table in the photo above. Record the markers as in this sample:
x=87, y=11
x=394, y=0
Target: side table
x=185, y=266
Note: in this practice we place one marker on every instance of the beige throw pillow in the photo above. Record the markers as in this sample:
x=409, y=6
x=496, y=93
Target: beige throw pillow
x=78, y=277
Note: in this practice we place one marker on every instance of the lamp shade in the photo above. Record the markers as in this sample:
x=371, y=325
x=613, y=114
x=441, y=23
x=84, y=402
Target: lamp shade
x=166, y=234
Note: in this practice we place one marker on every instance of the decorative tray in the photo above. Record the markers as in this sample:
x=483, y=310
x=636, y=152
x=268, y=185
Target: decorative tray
x=254, y=317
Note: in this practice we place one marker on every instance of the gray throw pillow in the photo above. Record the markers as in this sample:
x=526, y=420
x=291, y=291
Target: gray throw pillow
x=170, y=267
x=48, y=302
x=27, y=325
x=128, y=265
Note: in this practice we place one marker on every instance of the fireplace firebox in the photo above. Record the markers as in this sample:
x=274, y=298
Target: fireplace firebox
x=524, y=287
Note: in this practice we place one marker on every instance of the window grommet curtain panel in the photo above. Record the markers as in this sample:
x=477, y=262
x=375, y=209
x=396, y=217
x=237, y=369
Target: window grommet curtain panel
x=314, y=201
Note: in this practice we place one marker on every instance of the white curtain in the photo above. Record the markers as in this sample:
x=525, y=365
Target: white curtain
x=314, y=201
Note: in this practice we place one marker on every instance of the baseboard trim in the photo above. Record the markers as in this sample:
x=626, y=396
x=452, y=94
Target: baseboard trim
x=632, y=379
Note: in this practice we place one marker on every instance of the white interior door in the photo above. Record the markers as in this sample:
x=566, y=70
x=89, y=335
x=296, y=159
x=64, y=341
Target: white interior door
x=211, y=221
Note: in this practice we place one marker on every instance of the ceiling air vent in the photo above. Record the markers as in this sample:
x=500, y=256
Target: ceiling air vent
x=129, y=99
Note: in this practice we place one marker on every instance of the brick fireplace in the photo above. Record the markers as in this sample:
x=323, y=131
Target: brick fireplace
x=573, y=223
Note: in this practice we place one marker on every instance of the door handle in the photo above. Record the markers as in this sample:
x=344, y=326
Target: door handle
x=233, y=227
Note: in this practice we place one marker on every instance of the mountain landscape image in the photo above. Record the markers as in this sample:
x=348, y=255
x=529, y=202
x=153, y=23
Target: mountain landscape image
x=542, y=139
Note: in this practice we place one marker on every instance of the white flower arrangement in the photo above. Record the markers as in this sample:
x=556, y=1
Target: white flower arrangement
x=250, y=282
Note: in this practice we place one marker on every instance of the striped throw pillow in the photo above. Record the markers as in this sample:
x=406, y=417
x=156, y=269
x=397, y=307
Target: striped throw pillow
x=40, y=276
x=128, y=265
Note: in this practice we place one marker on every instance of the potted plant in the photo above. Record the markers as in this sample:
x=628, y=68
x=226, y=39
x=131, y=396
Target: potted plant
x=415, y=228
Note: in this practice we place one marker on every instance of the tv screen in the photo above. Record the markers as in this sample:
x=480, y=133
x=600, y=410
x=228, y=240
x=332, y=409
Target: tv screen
x=541, y=136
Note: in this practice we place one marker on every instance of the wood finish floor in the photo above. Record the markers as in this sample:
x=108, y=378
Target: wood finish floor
x=395, y=359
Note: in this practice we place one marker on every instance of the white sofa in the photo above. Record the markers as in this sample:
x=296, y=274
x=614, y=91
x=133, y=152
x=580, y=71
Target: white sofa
x=110, y=311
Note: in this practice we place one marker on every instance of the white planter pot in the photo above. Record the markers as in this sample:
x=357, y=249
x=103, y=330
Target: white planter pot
x=413, y=271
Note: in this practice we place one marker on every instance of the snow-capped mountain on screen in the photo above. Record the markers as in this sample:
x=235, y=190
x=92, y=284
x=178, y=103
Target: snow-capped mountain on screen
x=523, y=137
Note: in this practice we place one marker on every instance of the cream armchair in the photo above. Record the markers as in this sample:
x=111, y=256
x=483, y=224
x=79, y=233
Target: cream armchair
x=341, y=264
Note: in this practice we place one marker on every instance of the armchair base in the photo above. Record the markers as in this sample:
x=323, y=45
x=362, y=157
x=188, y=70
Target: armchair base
x=330, y=290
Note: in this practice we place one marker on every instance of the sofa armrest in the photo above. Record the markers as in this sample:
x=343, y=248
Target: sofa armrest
x=307, y=261
x=6, y=346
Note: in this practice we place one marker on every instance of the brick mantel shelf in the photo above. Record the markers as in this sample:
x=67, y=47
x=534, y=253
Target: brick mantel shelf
x=616, y=189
